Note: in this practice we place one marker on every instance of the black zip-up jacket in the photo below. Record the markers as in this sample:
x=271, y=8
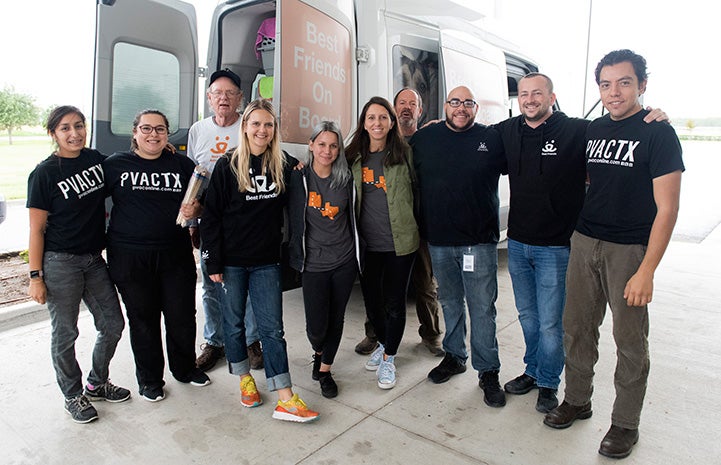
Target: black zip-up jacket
x=547, y=176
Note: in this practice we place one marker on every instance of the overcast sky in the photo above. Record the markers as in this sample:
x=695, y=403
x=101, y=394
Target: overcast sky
x=47, y=47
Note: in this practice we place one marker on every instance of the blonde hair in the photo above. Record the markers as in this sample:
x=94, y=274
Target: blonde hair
x=272, y=160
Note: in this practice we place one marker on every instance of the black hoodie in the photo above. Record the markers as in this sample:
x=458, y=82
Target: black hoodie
x=547, y=174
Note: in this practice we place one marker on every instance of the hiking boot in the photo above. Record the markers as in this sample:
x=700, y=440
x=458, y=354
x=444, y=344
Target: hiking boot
x=366, y=346
x=328, y=387
x=316, y=366
x=80, y=409
x=152, y=394
x=520, y=385
x=375, y=359
x=387, y=373
x=493, y=395
x=565, y=414
x=294, y=409
x=107, y=392
x=618, y=442
x=196, y=377
x=434, y=347
x=547, y=400
x=209, y=356
x=255, y=356
x=249, y=396
x=448, y=367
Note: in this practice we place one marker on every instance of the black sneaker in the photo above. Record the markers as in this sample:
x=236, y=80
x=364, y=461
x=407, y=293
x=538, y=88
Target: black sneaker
x=196, y=377
x=316, y=366
x=493, y=395
x=152, y=394
x=107, y=392
x=366, y=346
x=448, y=367
x=547, y=400
x=209, y=356
x=520, y=385
x=80, y=408
x=328, y=387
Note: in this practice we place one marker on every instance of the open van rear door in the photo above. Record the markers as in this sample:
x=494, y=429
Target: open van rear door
x=145, y=57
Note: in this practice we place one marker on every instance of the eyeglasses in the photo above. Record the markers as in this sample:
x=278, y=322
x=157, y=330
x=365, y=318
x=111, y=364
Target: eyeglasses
x=455, y=103
x=159, y=130
x=227, y=93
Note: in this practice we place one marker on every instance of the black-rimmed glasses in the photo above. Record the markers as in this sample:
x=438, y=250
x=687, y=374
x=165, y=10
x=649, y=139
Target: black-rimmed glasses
x=159, y=130
x=455, y=103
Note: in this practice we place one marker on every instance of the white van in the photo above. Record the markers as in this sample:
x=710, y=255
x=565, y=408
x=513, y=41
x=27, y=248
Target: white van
x=317, y=59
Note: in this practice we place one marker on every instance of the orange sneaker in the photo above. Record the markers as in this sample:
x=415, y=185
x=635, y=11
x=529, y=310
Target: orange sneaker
x=294, y=409
x=249, y=396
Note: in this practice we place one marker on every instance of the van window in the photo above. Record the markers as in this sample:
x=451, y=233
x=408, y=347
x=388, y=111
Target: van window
x=417, y=69
x=143, y=78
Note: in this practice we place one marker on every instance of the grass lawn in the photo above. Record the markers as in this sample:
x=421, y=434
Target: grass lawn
x=18, y=160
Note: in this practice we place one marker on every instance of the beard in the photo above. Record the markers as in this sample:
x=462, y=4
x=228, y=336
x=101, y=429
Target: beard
x=449, y=122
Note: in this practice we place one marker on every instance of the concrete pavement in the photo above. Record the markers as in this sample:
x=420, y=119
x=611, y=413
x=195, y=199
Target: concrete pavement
x=417, y=422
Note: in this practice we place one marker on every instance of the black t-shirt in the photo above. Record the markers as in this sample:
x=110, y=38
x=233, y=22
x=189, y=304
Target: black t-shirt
x=375, y=223
x=623, y=158
x=329, y=240
x=242, y=228
x=146, y=198
x=458, y=182
x=72, y=191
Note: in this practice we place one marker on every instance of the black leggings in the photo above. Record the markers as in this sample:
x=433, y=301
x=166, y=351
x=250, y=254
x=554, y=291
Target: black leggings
x=384, y=282
x=325, y=295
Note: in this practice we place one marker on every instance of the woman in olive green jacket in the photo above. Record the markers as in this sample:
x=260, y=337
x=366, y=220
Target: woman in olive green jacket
x=381, y=166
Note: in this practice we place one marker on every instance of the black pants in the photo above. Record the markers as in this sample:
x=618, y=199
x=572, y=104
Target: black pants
x=325, y=295
x=384, y=282
x=151, y=283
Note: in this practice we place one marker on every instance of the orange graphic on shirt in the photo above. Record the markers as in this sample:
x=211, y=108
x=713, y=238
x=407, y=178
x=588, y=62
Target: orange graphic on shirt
x=221, y=145
x=369, y=178
x=315, y=201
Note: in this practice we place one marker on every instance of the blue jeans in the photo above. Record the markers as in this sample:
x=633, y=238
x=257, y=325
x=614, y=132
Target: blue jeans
x=538, y=274
x=479, y=289
x=262, y=284
x=68, y=279
x=213, y=309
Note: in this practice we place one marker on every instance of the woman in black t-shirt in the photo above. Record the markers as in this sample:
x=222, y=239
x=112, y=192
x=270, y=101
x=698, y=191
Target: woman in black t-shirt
x=150, y=257
x=66, y=202
x=241, y=236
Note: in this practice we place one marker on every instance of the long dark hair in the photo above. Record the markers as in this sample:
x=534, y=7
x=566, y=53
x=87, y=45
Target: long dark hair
x=396, y=146
x=58, y=113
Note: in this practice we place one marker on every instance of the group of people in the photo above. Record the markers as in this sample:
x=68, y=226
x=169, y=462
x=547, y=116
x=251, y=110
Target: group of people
x=592, y=210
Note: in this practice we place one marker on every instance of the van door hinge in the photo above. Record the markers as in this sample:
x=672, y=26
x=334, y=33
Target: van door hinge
x=362, y=54
x=202, y=71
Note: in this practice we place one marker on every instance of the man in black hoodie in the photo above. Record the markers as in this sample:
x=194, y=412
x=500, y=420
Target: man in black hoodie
x=547, y=174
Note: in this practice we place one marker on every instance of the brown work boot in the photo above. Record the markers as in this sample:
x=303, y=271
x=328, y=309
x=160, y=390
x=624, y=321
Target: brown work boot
x=366, y=346
x=255, y=356
x=434, y=347
x=209, y=357
x=565, y=414
x=618, y=442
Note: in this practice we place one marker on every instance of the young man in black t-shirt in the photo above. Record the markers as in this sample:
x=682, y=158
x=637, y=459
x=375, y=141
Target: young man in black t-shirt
x=623, y=230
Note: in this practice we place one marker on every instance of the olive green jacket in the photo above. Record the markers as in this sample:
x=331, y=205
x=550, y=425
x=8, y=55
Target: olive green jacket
x=399, y=194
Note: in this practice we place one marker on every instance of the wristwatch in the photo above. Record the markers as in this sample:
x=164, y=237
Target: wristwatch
x=34, y=274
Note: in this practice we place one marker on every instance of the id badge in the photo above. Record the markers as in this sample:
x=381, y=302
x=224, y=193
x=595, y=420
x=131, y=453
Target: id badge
x=468, y=262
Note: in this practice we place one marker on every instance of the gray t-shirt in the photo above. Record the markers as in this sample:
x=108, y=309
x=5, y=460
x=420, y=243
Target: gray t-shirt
x=329, y=239
x=375, y=223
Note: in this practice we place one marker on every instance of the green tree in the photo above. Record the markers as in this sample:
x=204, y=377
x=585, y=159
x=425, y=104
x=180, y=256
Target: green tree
x=690, y=124
x=16, y=110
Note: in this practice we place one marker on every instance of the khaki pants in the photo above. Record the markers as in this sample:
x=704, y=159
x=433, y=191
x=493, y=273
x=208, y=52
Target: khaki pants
x=597, y=275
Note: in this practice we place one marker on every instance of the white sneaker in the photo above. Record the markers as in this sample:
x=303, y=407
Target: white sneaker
x=387, y=373
x=375, y=359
